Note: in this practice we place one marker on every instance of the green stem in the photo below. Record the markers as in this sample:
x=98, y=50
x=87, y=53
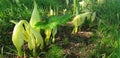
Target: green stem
x=76, y=29
x=118, y=46
x=53, y=40
x=34, y=53
x=75, y=6
x=20, y=53
x=54, y=31
x=47, y=41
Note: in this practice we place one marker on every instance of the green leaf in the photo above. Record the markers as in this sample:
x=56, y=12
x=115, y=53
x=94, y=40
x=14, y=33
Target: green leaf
x=93, y=16
x=63, y=19
x=54, y=21
x=42, y=25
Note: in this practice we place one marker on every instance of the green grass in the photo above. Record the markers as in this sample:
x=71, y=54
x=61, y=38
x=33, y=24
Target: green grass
x=108, y=26
x=55, y=52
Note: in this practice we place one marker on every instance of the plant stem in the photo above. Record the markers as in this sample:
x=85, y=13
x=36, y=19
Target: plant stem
x=75, y=30
x=34, y=53
x=75, y=5
x=20, y=54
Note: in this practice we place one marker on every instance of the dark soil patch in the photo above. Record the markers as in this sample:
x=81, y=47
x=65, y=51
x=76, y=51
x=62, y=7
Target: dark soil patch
x=75, y=46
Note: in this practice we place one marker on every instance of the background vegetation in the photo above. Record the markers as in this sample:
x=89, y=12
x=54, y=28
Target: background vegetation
x=105, y=27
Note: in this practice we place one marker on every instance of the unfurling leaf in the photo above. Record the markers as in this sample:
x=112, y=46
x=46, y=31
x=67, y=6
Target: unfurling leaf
x=35, y=17
x=48, y=34
x=78, y=21
x=51, y=12
x=18, y=37
x=24, y=32
x=38, y=39
x=54, y=31
x=35, y=37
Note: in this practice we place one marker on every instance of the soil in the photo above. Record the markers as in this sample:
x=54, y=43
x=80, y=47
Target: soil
x=79, y=45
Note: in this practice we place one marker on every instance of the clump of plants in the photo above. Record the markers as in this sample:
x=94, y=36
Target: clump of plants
x=25, y=32
x=29, y=33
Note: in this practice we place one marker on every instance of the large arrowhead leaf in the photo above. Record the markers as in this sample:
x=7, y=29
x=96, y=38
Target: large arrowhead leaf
x=60, y=19
x=54, y=21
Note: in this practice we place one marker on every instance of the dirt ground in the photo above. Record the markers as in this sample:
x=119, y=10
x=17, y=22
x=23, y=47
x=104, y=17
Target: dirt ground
x=78, y=45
